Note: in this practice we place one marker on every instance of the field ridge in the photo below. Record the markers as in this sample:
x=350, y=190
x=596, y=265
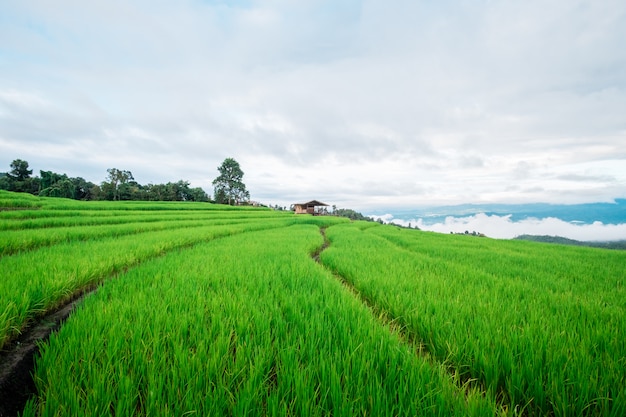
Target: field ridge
x=17, y=360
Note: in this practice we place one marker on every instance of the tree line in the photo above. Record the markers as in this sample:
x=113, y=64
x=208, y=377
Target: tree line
x=118, y=185
x=121, y=185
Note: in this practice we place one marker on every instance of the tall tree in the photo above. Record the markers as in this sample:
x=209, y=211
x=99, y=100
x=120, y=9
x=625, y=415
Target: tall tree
x=19, y=170
x=19, y=179
x=83, y=189
x=118, y=183
x=5, y=183
x=229, y=186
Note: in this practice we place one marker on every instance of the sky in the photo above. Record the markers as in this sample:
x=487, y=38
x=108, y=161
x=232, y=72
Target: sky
x=369, y=105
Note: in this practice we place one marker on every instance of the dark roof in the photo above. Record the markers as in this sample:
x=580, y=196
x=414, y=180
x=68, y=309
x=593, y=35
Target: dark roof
x=312, y=203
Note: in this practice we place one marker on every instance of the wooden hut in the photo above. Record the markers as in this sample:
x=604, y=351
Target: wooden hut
x=313, y=207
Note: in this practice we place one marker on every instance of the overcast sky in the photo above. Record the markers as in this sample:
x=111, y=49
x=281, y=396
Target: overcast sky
x=363, y=104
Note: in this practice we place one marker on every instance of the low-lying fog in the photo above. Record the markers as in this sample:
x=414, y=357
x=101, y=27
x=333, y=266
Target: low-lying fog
x=502, y=227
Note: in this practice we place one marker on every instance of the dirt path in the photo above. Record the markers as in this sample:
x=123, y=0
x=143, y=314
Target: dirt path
x=17, y=359
x=382, y=316
x=316, y=255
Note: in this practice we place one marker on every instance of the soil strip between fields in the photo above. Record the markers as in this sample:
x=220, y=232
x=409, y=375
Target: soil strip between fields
x=17, y=359
x=381, y=315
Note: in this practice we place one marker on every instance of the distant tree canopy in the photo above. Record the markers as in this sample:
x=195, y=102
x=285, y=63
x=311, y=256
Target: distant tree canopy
x=19, y=170
x=351, y=214
x=19, y=178
x=52, y=184
x=118, y=185
x=229, y=186
x=619, y=244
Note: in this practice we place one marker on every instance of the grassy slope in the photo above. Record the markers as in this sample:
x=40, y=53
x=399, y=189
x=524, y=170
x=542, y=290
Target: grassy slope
x=244, y=325
x=537, y=326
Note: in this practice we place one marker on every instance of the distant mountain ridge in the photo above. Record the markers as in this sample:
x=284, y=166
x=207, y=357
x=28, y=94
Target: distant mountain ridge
x=607, y=213
x=565, y=241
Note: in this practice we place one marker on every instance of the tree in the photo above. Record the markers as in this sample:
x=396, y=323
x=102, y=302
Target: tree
x=229, y=187
x=197, y=194
x=52, y=184
x=18, y=179
x=220, y=196
x=351, y=214
x=83, y=189
x=117, y=184
x=63, y=188
x=19, y=170
x=49, y=179
x=5, y=183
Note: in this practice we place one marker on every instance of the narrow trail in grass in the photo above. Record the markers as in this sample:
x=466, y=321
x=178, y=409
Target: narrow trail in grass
x=382, y=316
x=392, y=324
x=17, y=360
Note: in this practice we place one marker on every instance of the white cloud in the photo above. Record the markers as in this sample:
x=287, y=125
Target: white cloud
x=361, y=102
x=502, y=227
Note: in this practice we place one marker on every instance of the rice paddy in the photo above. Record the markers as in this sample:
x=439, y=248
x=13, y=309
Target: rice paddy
x=204, y=309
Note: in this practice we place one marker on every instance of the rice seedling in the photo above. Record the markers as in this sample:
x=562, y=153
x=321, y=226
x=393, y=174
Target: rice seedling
x=37, y=281
x=25, y=220
x=536, y=325
x=221, y=311
x=13, y=241
x=247, y=325
x=10, y=200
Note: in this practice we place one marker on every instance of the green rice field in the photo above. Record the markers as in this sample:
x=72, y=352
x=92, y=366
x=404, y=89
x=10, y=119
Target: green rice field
x=194, y=309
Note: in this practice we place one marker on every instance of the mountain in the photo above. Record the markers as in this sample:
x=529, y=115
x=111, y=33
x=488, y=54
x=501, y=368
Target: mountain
x=565, y=241
x=607, y=213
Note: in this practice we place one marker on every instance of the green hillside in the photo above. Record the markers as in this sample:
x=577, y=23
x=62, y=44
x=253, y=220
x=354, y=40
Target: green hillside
x=203, y=309
x=620, y=244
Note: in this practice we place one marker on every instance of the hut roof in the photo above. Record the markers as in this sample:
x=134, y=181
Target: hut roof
x=312, y=203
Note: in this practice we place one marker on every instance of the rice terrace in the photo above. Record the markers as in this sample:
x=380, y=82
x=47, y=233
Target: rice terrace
x=199, y=309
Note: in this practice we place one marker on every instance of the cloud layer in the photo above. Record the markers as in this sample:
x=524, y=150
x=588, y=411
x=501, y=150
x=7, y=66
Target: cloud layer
x=503, y=227
x=358, y=103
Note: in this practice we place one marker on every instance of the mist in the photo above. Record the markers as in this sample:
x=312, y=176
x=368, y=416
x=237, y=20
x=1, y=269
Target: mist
x=502, y=227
